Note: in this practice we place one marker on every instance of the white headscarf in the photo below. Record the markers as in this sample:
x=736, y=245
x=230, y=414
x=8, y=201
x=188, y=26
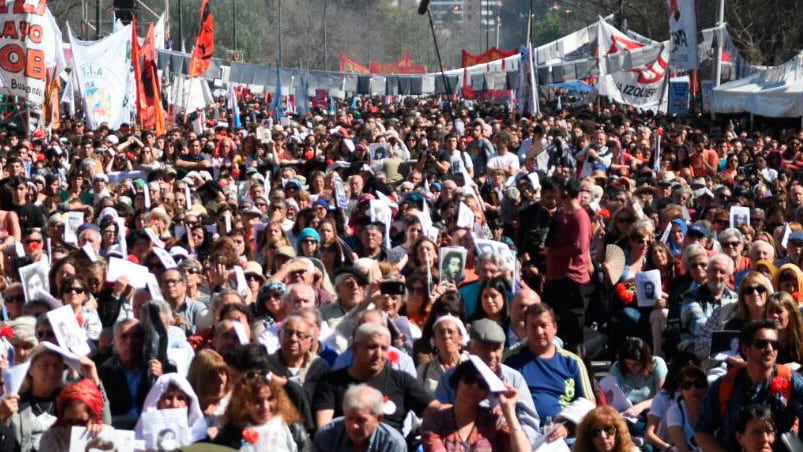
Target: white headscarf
x=195, y=417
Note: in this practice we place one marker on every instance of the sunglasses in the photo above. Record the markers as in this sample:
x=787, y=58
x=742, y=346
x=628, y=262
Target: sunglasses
x=731, y=244
x=750, y=290
x=78, y=290
x=472, y=378
x=15, y=299
x=763, y=343
x=608, y=430
x=699, y=384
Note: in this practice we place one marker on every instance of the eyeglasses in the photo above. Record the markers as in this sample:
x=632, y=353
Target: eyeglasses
x=253, y=277
x=699, y=384
x=78, y=290
x=750, y=290
x=44, y=334
x=168, y=282
x=15, y=299
x=609, y=430
x=699, y=264
x=193, y=271
x=640, y=240
x=309, y=241
x=731, y=244
x=763, y=343
x=298, y=334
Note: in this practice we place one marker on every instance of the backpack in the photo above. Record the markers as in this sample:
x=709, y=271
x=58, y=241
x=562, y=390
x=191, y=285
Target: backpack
x=729, y=381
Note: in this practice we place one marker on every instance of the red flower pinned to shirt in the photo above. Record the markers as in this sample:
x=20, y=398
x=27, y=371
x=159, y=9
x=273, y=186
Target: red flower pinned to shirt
x=80, y=319
x=780, y=386
x=7, y=332
x=625, y=293
x=393, y=356
x=251, y=436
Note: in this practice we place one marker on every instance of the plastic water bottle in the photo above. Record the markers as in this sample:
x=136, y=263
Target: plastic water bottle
x=548, y=426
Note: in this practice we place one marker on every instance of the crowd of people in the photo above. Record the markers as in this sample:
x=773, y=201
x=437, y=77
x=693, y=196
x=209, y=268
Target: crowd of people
x=282, y=285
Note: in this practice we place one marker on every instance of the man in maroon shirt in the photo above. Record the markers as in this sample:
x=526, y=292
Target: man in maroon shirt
x=568, y=266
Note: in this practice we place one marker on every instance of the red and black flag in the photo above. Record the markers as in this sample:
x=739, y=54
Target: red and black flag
x=204, y=42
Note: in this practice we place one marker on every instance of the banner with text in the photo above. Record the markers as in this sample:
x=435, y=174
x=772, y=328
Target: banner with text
x=682, y=34
x=642, y=86
x=103, y=77
x=30, y=51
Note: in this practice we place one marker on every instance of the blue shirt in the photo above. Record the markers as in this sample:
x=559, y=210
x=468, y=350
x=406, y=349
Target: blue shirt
x=133, y=377
x=332, y=437
x=554, y=382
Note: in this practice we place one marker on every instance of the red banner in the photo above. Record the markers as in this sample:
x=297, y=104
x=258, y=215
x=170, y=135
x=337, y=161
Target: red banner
x=204, y=43
x=149, y=99
x=351, y=66
x=491, y=54
x=396, y=68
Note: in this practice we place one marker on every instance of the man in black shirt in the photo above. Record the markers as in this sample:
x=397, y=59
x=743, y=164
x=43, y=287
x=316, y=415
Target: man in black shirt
x=30, y=215
x=402, y=392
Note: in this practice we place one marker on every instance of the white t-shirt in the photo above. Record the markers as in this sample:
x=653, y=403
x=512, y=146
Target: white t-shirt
x=508, y=160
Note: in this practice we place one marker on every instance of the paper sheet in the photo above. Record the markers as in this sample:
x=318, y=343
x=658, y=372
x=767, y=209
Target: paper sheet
x=137, y=274
x=15, y=376
x=69, y=334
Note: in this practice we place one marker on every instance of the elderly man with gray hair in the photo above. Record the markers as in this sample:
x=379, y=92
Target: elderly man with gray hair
x=404, y=393
x=699, y=303
x=361, y=427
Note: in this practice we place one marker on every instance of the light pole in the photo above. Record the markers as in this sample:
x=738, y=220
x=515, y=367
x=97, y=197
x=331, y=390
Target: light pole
x=279, y=28
x=325, y=50
x=234, y=25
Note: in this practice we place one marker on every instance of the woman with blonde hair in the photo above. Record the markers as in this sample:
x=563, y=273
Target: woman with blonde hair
x=210, y=378
x=783, y=309
x=750, y=306
x=603, y=430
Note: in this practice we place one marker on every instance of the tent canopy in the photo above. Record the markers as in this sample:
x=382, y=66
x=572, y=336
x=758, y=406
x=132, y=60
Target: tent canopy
x=775, y=92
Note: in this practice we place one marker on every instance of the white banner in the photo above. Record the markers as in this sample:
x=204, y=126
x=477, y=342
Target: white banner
x=30, y=48
x=642, y=86
x=682, y=34
x=102, y=69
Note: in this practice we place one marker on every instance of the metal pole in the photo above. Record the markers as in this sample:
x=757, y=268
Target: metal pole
x=280, y=32
x=720, y=38
x=487, y=25
x=325, y=50
x=622, y=18
x=97, y=19
x=234, y=25
x=498, y=27
x=530, y=24
x=180, y=27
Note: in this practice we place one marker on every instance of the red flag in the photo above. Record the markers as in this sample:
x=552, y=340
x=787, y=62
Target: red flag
x=349, y=65
x=204, y=42
x=149, y=100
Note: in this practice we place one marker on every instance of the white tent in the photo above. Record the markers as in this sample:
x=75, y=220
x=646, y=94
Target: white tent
x=775, y=92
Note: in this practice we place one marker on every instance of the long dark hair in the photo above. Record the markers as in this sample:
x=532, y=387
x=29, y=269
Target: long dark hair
x=636, y=349
x=501, y=285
